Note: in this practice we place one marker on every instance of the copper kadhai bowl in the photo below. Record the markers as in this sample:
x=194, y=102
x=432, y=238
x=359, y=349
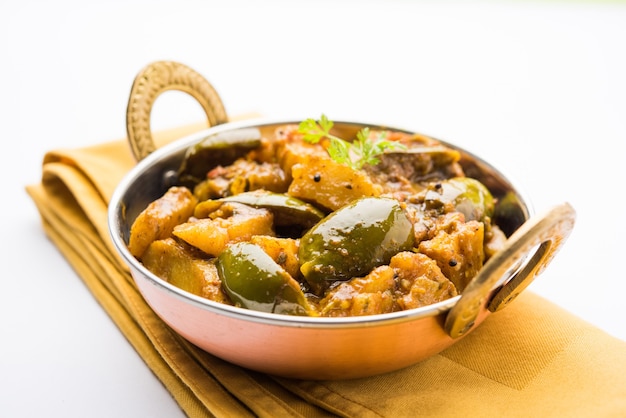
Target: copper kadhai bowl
x=317, y=347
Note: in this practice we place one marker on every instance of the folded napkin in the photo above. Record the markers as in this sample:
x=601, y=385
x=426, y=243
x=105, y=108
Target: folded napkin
x=530, y=359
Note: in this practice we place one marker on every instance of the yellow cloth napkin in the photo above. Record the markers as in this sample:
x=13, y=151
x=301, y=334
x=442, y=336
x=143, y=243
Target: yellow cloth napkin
x=531, y=359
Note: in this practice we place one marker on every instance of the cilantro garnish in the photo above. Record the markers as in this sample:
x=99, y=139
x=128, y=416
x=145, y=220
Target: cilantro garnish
x=363, y=150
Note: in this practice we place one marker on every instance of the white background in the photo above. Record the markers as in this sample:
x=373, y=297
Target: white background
x=536, y=88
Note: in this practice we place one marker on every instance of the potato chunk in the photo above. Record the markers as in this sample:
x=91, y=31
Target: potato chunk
x=411, y=280
x=291, y=150
x=329, y=184
x=420, y=281
x=174, y=263
x=232, y=222
x=369, y=295
x=159, y=219
x=457, y=247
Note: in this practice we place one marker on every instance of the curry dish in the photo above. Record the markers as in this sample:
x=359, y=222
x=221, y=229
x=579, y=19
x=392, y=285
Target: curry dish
x=274, y=223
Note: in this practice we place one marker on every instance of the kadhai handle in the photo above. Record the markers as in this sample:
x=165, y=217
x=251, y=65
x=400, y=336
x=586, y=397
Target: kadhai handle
x=538, y=239
x=149, y=84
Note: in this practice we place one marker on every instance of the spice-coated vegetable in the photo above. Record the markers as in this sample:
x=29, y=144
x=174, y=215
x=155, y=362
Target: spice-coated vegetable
x=219, y=149
x=287, y=210
x=254, y=280
x=353, y=240
x=467, y=195
x=279, y=224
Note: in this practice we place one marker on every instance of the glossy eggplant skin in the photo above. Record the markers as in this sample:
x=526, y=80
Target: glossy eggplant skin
x=465, y=194
x=287, y=210
x=353, y=240
x=253, y=280
x=218, y=149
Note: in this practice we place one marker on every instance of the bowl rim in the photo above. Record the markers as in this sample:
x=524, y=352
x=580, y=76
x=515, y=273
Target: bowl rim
x=115, y=210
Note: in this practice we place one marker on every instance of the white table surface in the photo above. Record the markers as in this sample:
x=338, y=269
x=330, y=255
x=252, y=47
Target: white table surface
x=536, y=88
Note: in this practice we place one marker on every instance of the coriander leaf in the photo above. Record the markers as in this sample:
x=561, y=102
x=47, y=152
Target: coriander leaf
x=326, y=124
x=311, y=131
x=339, y=151
x=363, y=150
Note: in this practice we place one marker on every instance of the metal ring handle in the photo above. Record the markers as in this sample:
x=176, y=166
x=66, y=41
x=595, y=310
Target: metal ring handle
x=544, y=235
x=151, y=82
